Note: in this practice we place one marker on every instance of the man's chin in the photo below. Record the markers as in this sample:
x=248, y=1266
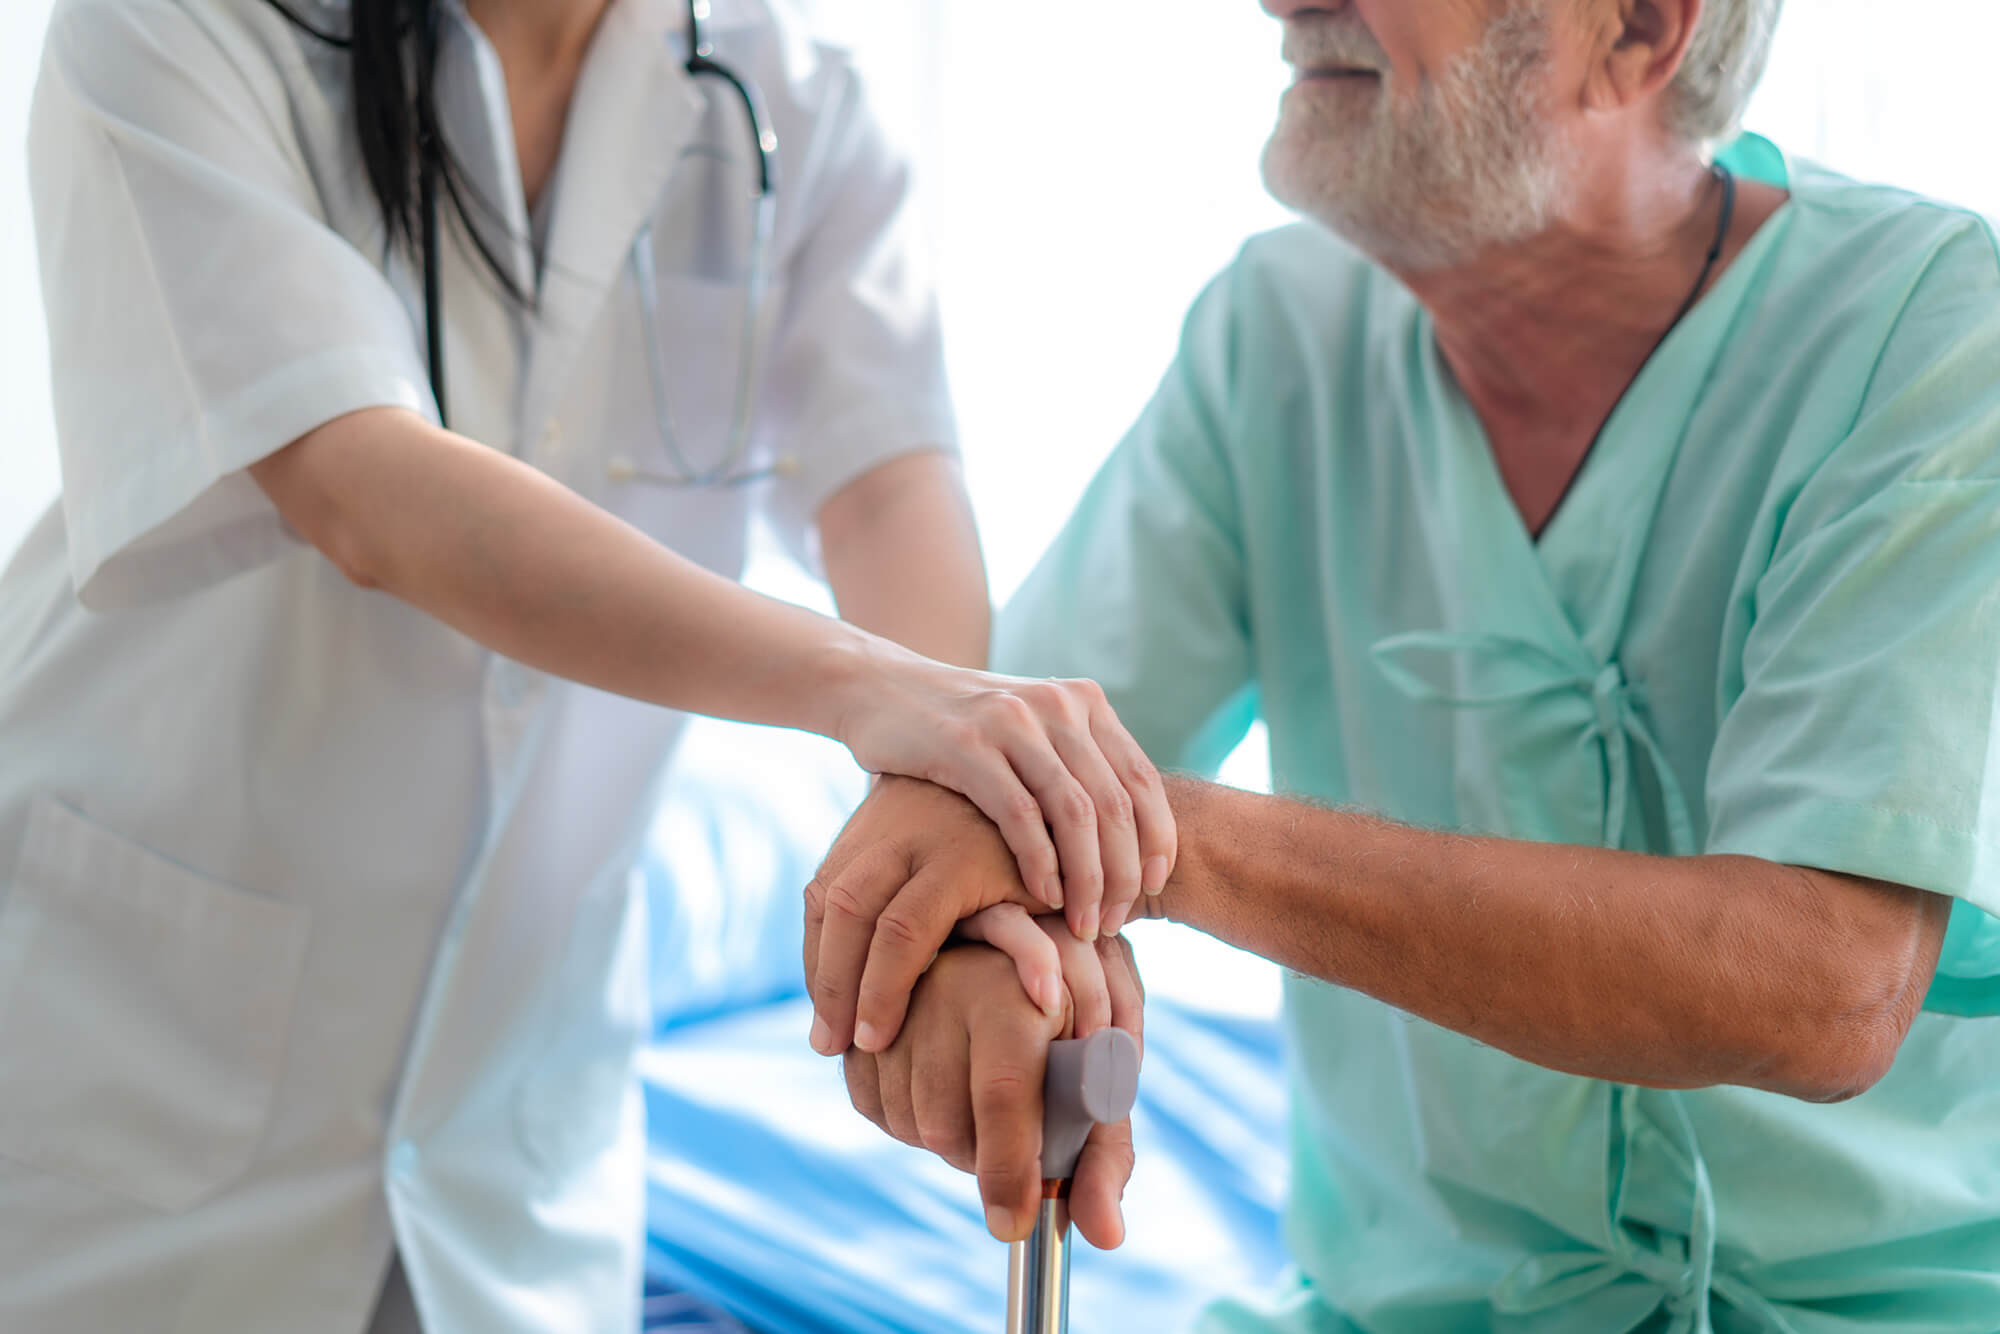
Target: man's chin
x=1317, y=188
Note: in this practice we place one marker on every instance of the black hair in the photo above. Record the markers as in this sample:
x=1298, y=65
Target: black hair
x=392, y=56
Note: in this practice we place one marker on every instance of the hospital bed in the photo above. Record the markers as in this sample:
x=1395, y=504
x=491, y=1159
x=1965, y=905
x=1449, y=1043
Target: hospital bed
x=773, y=1207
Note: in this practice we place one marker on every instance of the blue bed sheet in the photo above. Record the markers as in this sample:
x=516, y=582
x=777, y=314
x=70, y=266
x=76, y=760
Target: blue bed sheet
x=770, y=1197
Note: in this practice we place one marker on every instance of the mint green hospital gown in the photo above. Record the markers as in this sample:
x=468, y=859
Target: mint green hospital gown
x=1765, y=621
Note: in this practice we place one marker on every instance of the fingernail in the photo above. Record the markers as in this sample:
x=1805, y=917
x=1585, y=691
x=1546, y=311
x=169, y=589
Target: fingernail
x=1153, y=879
x=1052, y=894
x=868, y=1038
x=822, y=1037
x=1114, y=921
x=1048, y=995
x=1000, y=1222
x=1087, y=927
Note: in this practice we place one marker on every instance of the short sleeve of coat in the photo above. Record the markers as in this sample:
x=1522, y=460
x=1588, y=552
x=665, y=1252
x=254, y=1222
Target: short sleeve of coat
x=857, y=368
x=1145, y=589
x=201, y=313
x=1866, y=738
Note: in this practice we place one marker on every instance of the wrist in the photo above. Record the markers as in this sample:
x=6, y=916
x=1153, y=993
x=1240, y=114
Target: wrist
x=1192, y=883
x=852, y=673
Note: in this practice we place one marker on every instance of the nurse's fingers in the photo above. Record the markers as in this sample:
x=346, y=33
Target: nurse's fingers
x=1071, y=814
x=1098, y=1188
x=1117, y=832
x=1008, y=928
x=1009, y=1061
x=1152, y=814
x=991, y=780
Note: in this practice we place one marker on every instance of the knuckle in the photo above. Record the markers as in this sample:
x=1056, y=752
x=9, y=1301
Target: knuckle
x=1023, y=808
x=1088, y=693
x=1006, y=1084
x=947, y=1139
x=1141, y=777
x=1044, y=697
x=1116, y=809
x=1074, y=806
x=897, y=929
x=843, y=899
x=1013, y=711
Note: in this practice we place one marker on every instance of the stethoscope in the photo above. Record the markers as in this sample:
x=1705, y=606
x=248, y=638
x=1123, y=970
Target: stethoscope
x=729, y=469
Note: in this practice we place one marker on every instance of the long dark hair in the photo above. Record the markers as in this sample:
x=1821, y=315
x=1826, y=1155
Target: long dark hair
x=392, y=55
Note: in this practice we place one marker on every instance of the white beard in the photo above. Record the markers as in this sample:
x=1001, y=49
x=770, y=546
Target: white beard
x=1464, y=164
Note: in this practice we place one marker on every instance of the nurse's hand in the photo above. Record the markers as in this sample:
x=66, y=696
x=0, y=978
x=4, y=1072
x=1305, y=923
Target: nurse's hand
x=964, y=1080
x=1048, y=762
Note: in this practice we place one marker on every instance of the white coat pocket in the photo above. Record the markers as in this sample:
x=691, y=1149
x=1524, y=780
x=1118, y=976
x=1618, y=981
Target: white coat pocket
x=143, y=1013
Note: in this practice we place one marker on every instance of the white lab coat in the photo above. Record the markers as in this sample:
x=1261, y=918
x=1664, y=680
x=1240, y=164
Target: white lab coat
x=316, y=930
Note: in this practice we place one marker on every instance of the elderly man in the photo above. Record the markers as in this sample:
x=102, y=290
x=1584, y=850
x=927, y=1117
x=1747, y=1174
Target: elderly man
x=1609, y=531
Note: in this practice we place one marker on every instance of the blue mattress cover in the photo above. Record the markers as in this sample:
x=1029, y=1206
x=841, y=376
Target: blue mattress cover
x=770, y=1197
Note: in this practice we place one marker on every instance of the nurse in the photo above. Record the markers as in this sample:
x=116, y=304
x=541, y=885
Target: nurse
x=328, y=732
x=1608, y=529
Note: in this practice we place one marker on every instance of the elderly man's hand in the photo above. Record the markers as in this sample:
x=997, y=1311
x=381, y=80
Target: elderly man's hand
x=964, y=1079
x=914, y=862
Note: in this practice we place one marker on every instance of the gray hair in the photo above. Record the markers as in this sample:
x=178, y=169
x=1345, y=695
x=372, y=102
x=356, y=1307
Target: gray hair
x=1725, y=59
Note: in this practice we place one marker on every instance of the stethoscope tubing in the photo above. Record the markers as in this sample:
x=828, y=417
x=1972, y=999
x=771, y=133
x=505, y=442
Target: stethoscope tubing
x=728, y=470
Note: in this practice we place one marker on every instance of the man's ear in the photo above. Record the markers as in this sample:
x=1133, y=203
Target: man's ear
x=1641, y=50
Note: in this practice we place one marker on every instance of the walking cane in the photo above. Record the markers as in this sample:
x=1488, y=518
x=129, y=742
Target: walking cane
x=1090, y=1081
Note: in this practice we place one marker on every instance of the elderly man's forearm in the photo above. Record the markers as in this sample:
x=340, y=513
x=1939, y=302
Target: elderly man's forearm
x=1671, y=972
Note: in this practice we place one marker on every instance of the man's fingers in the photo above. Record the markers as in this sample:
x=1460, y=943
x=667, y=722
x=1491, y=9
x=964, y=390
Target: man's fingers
x=864, y=1088
x=941, y=1099
x=847, y=907
x=1083, y=977
x=906, y=937
x=1099, y=1185
x=1008, y=928
x=899, y=1113
x=1072, y=820
x=1009, y=1061
x=838, y=858
x=1126, y=991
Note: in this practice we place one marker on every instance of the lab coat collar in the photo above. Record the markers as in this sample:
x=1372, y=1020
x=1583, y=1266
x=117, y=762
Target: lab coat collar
x=634, y=109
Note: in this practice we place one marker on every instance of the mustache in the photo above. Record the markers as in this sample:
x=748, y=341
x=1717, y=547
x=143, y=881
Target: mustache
x=1323, y=41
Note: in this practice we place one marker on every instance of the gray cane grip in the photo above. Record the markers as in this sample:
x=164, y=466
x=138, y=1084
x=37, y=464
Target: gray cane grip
x=1090, y=1080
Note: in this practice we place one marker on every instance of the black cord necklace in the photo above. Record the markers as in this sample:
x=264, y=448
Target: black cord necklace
x=1715, y=249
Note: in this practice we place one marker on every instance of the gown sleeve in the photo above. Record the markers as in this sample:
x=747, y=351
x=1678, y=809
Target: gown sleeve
x=202, y=314
x=1145, y=589
x=1866, y=737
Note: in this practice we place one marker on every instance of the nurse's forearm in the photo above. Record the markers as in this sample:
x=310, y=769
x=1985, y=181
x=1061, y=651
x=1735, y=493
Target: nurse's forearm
x=521, y=564
x=1672, y=972
x=902, y=557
